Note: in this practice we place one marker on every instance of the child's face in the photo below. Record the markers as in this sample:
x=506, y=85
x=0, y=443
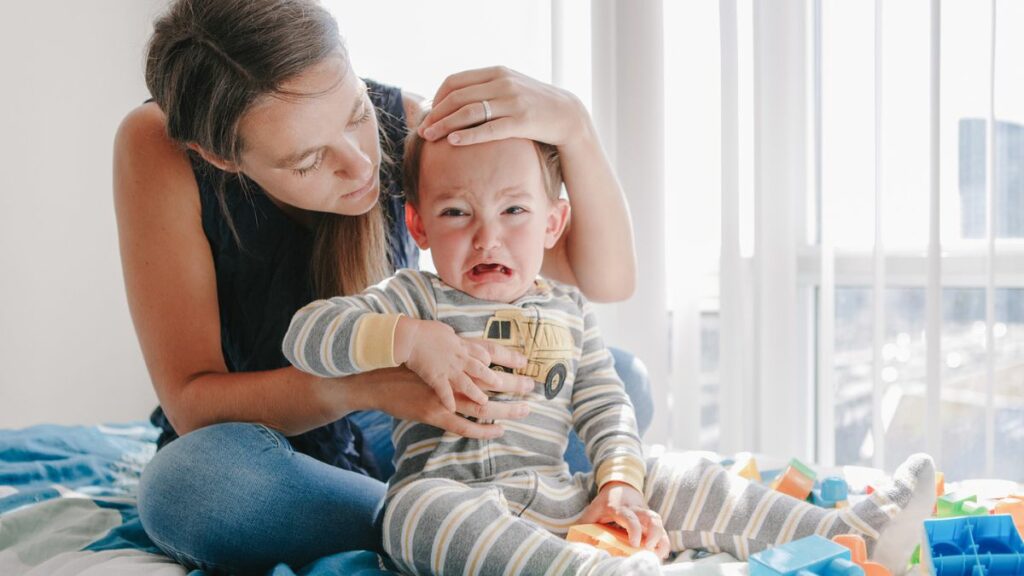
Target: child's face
x=485, y=216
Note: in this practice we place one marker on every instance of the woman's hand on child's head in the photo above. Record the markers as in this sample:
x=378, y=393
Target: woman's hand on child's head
x=519, y=107
x=624, y=505
x=450, y=364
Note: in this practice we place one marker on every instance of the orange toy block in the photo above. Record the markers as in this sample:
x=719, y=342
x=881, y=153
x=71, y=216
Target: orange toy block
x=797, y=481
x=859, y=554
x=611, y=539
x=1014, y=506
x=940, y=489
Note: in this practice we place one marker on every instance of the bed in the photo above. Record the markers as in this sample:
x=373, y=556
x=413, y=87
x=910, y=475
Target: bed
x=67, y=506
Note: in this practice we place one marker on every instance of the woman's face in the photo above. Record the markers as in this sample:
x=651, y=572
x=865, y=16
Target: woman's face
x=319, y=152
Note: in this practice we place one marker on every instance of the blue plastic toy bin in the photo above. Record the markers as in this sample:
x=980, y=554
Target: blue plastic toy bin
x=973, y=546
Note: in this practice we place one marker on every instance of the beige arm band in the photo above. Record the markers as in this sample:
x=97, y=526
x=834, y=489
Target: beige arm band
x=373, y=343
x=625, y=469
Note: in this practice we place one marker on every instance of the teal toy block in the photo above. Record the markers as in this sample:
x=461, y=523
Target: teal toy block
x=811, y=556
x=959, y=504
x=832, y=491
x=972, y=546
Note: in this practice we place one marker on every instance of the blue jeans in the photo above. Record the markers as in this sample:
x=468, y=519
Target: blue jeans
x=236, y=497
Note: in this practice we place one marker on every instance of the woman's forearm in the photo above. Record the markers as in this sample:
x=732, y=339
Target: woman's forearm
x=597, y=253
x=286, y=400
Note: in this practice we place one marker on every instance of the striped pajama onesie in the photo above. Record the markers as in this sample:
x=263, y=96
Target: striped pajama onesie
x=502, y=506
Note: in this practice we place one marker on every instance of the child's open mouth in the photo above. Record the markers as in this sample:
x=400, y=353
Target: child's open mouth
x=484, y=271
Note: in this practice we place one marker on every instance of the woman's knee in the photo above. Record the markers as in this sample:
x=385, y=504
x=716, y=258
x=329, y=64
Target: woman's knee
x=633, y=374
x=189, y=491
x=236, y=497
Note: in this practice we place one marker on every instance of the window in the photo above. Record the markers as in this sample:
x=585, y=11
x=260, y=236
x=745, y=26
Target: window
x=719, y=91
x=903, y=375
x=848, y=163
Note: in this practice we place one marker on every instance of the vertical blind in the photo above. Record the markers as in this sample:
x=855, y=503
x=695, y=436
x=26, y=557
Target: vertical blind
x=802, y=198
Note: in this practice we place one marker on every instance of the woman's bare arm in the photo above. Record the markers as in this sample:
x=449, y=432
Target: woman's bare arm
x=172, y=295
x=596, y=253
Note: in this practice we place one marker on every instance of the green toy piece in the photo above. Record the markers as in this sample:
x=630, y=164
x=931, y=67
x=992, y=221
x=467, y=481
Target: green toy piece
x=957, y=504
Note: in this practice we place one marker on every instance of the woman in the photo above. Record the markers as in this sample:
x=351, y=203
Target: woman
x=255, y=181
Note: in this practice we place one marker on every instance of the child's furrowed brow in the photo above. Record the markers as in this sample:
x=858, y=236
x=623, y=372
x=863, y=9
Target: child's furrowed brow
x=515, y=194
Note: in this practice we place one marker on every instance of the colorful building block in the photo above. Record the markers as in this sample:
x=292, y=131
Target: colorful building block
x=832, y=493
x=611, y=539
x=959, y=504
x=859, y=554
x=797, y=480
x=972, y=546
x=940, y=489
x=1014, y=506
x=813, y=555
x=746, y=467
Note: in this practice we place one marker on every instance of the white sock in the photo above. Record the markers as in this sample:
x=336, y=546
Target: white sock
x=913, y=491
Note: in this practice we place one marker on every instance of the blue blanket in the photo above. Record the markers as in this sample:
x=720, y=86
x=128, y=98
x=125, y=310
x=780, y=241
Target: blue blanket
x=67, y=505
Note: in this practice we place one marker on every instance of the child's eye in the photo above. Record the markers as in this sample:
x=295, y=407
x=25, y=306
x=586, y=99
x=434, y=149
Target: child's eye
x=312, y=167
x=515, y=210
x=452, y=212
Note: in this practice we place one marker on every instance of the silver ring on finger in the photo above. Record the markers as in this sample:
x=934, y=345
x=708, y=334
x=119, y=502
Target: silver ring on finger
x=487, y=110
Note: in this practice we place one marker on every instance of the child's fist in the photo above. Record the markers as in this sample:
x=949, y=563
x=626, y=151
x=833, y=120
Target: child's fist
x=624, y=505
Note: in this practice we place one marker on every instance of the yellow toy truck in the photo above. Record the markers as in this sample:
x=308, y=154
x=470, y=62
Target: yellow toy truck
x=547, y=345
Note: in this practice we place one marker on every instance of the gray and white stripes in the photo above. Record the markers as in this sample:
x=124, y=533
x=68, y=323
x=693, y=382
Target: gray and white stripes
x=465, y=506
x=439, y=526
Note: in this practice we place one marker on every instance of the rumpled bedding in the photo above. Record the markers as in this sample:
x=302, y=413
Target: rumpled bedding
x=67, y=506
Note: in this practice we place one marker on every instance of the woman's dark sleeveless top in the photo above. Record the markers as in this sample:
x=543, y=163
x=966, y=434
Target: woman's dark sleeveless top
x=263, y=279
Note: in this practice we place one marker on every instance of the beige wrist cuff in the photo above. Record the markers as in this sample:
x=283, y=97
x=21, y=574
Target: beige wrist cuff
x=373, y=342
x=627, y=469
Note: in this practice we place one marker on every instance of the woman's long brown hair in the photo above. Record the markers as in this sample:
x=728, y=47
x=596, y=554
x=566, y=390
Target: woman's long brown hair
x=208, y=61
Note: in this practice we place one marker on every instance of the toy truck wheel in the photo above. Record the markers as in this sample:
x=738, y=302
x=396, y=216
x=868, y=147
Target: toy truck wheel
x=555, y=380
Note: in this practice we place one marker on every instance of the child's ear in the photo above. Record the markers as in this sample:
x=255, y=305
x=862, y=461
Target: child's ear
x=415, y=225
x=558, y=218
x=215, y=160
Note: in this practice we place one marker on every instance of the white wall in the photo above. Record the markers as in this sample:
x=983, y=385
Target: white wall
x=70, y=71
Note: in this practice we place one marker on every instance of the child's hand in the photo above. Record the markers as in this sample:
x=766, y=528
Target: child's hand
x=447, y=362
x=622, y=504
